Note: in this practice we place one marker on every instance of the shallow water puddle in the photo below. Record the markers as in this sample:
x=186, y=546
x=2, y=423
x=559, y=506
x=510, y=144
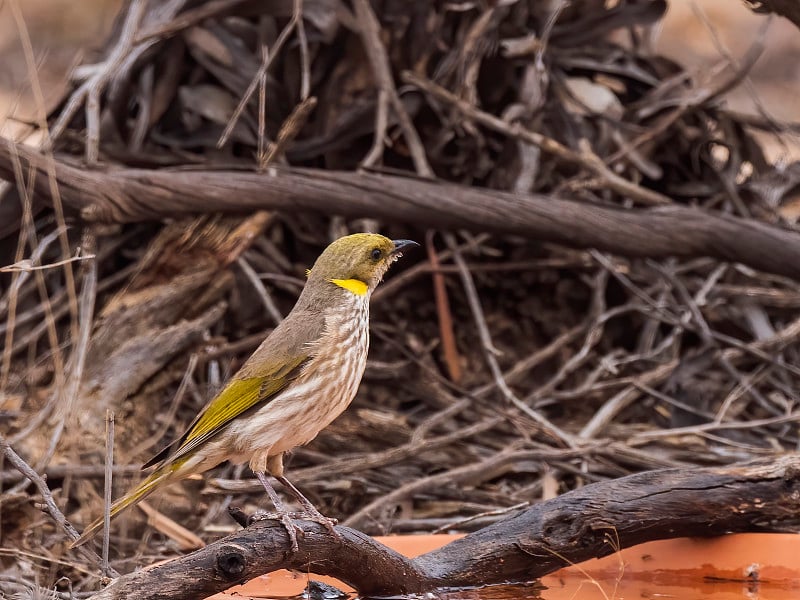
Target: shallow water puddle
x=735, y=567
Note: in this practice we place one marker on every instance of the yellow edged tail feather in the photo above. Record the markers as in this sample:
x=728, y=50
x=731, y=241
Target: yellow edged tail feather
x=139, y=493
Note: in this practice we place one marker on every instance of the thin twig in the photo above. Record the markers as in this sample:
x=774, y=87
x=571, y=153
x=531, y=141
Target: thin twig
x=370, y=30
x=17, y=280
x=585, y=157
x=90, y=89
x=490, y=351
x=27, y=265
x=375, y=153
x=646, y=436
x=266, y=299
x=109, y=467
x=24, y=187
x=449, y=348
x=261, y=150
x=80, y=349
x=268, y=58
x=458, y=524
x=614, y=405
x=289, y=130
x=47, y=496
x=305, y=67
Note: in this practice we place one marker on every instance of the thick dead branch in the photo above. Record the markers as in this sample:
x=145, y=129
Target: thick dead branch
x=595, y=520
x=129, y=195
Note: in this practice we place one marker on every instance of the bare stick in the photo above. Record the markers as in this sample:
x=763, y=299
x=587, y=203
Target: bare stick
x=376, y=53
x=72, y=470
x=17, y=279
x=77, y=361
x=585, y=157
x=90, y=89
x=47, y=496
x=289, y=129
x=104, y=566
x=41, y=115
x=451, y=357
x=130, y=195
x=305, y=66
x=261, y=150
x=269, y=57
x=266, y=299
x=27, y=265
x=379, y=137
x=490, y=351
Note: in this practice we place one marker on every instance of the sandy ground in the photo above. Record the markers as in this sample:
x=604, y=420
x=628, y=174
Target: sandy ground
x=61, y=32
x=700, y=34
x=697, y=34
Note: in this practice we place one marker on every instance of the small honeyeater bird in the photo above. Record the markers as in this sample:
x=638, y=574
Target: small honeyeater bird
x=297, y=381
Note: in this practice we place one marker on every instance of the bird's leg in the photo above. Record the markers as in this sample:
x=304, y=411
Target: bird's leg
x=283, y=513
x=311, y=512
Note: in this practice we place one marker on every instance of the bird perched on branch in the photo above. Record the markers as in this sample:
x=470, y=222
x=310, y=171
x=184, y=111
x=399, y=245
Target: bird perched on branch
x=299, y=379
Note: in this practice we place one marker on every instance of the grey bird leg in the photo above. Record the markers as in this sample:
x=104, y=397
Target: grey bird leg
x=283, y=513
x=311, y=512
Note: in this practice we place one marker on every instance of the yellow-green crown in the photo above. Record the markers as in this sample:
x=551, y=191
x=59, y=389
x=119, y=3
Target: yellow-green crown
x=355, y=263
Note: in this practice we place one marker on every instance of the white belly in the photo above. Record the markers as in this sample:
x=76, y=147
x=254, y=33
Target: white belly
x=324, y=388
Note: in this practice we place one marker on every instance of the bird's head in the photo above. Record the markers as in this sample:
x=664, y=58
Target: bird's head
x=355, y=263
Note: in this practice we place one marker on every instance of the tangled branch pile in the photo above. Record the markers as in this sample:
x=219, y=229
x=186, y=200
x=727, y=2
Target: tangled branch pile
x=503, y=368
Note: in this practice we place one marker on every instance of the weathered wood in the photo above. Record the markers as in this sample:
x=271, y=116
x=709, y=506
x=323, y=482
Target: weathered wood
x=264, y=547
x=599, y=519
x=128, y=195
x=595, y=520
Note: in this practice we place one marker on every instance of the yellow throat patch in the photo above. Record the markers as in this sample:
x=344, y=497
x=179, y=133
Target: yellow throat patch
x=359, y=288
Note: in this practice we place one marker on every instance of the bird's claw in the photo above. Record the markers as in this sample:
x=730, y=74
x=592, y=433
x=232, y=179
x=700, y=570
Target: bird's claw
x=286, y=519
x=292, y=530
x=328, y=523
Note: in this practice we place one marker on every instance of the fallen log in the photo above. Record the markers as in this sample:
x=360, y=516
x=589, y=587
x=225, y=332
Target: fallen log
x=592, y=521
x=131, y=195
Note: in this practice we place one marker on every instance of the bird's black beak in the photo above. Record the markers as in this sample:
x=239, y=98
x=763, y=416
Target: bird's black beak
x=400, y=245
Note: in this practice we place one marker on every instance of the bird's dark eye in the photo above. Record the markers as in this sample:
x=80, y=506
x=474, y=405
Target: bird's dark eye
x=376, y=254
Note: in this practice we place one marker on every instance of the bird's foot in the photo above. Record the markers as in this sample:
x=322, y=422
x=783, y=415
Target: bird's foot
x=292, y=530
x=310, y=511
x=286, y=519
x=327, y=522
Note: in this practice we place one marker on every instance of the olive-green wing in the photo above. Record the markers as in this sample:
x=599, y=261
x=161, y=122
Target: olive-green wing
x=274, y=365
x=236, y=398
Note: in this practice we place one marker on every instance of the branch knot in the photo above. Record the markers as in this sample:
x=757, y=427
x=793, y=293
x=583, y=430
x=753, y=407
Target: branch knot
x=231, y=561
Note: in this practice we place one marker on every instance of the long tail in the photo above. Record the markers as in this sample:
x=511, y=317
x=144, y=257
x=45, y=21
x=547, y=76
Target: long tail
x=137, y=494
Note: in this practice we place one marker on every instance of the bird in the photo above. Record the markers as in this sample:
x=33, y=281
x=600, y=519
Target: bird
x=301, y=377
